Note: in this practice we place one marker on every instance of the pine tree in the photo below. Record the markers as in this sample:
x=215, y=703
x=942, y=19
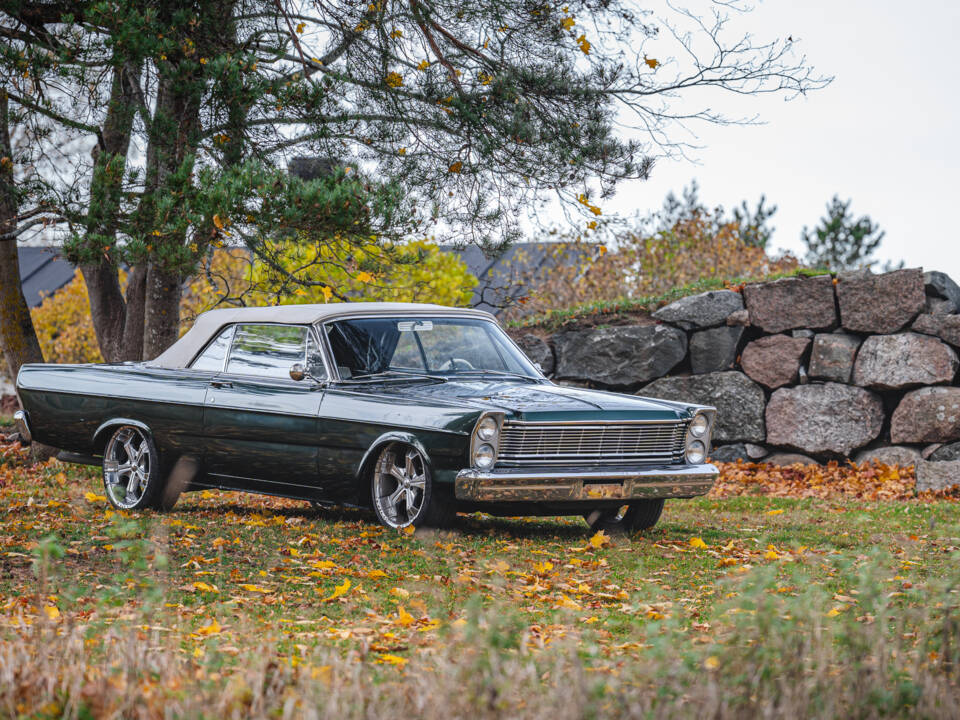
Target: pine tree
x=444, y=116
x=841, y=242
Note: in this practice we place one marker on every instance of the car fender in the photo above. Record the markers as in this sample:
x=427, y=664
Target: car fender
x=370, y=456
x=101, y=435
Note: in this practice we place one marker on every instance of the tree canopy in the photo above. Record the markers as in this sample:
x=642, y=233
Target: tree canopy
x=153, y=131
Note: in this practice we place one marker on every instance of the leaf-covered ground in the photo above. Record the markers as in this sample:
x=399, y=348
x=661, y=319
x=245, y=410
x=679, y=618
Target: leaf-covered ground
x=227, y=576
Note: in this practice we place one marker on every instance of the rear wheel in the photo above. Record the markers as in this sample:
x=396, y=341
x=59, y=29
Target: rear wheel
x=132, y=476
x=639, y=515
x=403, y=493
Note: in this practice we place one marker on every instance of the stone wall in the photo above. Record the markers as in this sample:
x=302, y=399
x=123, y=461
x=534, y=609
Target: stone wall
x=804, y=369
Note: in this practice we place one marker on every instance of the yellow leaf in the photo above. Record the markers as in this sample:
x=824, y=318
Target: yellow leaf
x=771, y=555
x=408, y=530
x=327, y=293
x=93, y=497
x=300, y=27
x=775, y=512
x=599, y=540
x=651, y=63
x=584, y=44
x=364, y=277
x=698, y=543
x=388, y=659
x=712, y=662
x=203, y=587
x=834, y=612
x=455, y=167
x=424, y=64
x=566, y=602
x=402, y=151
x=543, y=567
x=255, y=588
x=324, y=564
x=404, y=618
x=52, y=612
x=212, y=629
x=394, y=79
x=218, y=222
x=338, y=591
x=568, y=22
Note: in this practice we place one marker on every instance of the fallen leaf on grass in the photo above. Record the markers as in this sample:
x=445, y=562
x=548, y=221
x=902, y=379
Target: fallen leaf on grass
x=94, y=498
x=213, y=628
x=697, y=542
x=338, y=591
x=255, y=589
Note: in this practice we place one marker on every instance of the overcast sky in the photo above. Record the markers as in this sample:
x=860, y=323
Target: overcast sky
x=884, y=133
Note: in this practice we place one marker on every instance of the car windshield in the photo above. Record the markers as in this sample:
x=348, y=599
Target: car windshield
x=415, y=346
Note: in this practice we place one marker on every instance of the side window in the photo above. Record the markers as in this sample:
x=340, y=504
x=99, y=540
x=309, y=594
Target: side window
x=407, y=355
x=267, y=350
x=212, y=358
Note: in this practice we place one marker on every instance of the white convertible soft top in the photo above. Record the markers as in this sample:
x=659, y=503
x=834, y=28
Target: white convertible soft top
x=209, y=324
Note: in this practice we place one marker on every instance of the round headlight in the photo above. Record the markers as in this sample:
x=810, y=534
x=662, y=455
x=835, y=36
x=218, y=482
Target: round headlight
x=484, y=457
x=699, y=425
x=487, y=430
x=696, y=452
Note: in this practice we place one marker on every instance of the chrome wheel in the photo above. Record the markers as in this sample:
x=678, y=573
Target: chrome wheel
x=399, y=486
x=127, y=462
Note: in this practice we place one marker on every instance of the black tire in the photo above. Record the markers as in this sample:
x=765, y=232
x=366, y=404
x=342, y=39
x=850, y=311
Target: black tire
x=131, y=464
x=402, y=491
x=638, y=515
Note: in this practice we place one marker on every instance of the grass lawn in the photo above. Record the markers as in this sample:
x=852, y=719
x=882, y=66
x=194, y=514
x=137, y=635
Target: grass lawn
x=241, y=605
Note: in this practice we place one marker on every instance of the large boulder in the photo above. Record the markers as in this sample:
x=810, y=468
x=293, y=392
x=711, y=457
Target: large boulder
x=619, y=356
x=890, y=455
x=880, y=303
x=538, y=350
x=729, y=453
x=894, y=362
x=715, y=349
x=788, y=459
x=774, y=360
x=940, y=285
x=937, y=475
x=701, y=311
x=739, y=402
x=927, y=415
x=832, y=356
x=827, y=418
x=792, y=303
x=943, y=453
x=945, y=327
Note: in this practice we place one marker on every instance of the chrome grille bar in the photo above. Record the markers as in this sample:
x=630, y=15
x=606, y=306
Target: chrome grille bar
x=591, y=443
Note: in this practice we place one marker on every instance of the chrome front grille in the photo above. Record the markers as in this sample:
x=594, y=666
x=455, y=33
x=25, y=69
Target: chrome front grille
x=591, y=443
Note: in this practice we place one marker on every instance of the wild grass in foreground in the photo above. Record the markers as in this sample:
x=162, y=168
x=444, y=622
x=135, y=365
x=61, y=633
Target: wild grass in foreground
x=842, y=603
x=770, y=651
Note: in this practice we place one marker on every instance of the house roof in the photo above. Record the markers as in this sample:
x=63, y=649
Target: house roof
x=42, y=272
x=210, y=323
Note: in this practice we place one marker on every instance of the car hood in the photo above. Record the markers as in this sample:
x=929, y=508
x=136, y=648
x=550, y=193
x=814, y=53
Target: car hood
x=541, y=402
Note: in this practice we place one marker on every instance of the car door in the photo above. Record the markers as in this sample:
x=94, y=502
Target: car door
x=260, y=426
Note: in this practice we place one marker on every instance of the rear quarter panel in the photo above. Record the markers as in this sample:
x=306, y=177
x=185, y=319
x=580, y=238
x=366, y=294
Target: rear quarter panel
x=66, y=404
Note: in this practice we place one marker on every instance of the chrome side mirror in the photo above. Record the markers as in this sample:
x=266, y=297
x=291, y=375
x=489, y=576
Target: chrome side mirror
x=298, y=372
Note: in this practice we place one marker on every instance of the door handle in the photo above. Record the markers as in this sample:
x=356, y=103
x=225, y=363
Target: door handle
x=221, y=384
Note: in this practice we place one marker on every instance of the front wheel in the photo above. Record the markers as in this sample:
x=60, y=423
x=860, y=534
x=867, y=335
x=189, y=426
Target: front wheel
x=403, y=493
x=639, y=515
x=131, y=469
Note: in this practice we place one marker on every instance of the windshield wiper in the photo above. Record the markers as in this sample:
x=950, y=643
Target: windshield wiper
x=393, y=375
x=497, y=373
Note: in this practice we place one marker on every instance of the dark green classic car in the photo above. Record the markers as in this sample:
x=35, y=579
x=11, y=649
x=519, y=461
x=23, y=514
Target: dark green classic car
x=419, y=411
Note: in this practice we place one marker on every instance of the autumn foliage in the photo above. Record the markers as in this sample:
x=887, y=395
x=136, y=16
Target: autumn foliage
x=414, y=272
x=638, y=264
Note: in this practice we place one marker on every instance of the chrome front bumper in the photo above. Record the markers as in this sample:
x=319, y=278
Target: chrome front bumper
x=585, y=484
x=21, y=417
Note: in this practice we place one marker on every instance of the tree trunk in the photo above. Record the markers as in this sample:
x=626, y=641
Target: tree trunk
x=135, y=313
x=162, y=311
x=107, y=306
x=17, y=334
